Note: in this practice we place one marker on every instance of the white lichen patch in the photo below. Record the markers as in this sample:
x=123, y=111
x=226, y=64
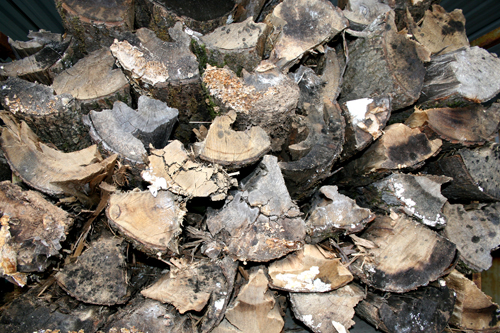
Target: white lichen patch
x=357, y=109
x=339, y=327
x=219, y=304
x=304, y=281
x=157, y=183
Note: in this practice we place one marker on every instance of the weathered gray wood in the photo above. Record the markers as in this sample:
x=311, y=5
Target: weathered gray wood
x=361, y=13
x=128, y=132
x=259, y=222
x=475, y=232
x=94, y=83
x=427, y=309
x=404, y=255
x=99, y=276
x=37, y=40
x=465, y=76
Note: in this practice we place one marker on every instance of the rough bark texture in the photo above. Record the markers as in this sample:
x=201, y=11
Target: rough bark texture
x=405, y=256
x=383, y=63
x=94, y=83
x=54, y=118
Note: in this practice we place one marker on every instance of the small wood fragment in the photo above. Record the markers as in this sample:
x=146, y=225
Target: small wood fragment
x=407, y=255
x=308, y=270
x=475, y=232
x=174, y=169
x=36, y=41
x=316, y=310
x=152, y=224
x=473, y=310
x=127, y=132
x=230, y=148
x=333, y=214
x=361, y=13
x=93, y=82
x=427, y=309
x=99, y=276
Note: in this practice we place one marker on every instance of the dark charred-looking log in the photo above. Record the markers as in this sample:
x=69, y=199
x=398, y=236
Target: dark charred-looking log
x=475, y=174
x=198, y=15
x=37, y=40
x=32, y=230
x=94, y=83
x=236, y=45
x=313, y=158
x=427, y=309
x=465, y=76
x=418, y=255
x=128, y=132
x=475, y=232
x=384, y=62
x=54, y=55
x=99, y=276
x=316, y=311
x=54, y=118
x=167, y=71
x=259, y=222
x=470, y=125
x=96, y=23
x=333, y=214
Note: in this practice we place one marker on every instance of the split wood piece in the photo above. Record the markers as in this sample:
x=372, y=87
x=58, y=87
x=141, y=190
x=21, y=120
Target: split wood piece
x=93, y=82
x=260, y=222
x=152, y=224
x=55, y=55
x=36, y=41
x=473, y=310
x=328, y=312
x=399, y=147
x=31, y=233
x=308, y=270
x=198, y=15
x=427, y=309
x=147, y=315
x=334, y=214
x=300, y=27
x=440, y=32
x=54, y=118
x=99, y=276
x=470, y=125
x=96, y=23
x=405, y=255
x=366, y=119
x=167, y=71
x=265, y=98
x=475, y=232
x=174, y=169
x=383, y=62
x=127, y=132
x=52, y=171
x=254, y=310
x=230, y=148
x=332, y=71
x=40, y=310
x=313, y=158
x=362, y=13
x=475, y=173
x=417, y=196
x=464, y=76
x=236, y=45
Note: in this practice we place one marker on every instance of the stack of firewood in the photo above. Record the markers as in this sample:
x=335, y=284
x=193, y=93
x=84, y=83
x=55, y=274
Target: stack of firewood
x=217, y=166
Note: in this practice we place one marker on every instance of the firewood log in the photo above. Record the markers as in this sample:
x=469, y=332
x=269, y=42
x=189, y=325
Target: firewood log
x=465, y=76
x=32, y=230
x=99, y=276
x=361, y=13
x=475, y=232
x=94, y=83
x=475, y=174
x=54, y=118
x=427, y=309
x=96, y=23
x=383, y=62
x=54, y=54
x=403, y=255
x=316, y=311
x=128, y=132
